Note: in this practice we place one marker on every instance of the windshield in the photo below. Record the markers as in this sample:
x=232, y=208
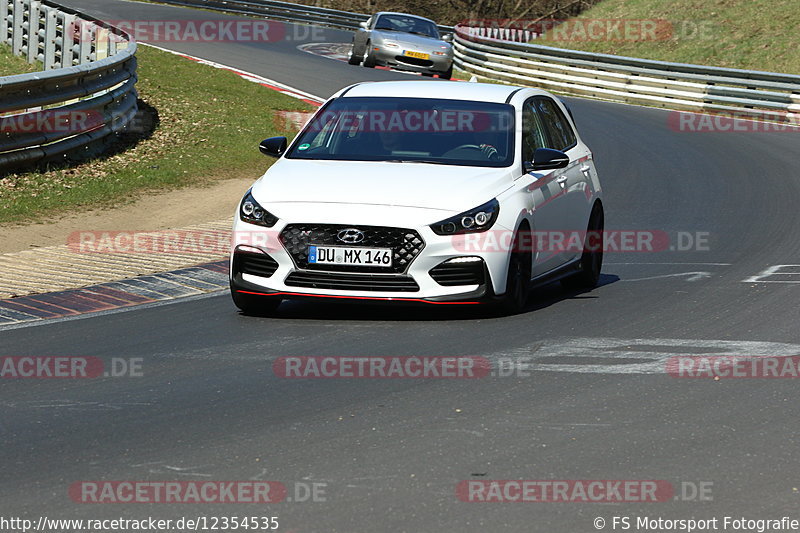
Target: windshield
x=448, y=132
x=407, y=24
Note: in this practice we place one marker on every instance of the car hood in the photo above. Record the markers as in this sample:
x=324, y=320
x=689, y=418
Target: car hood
x=419, y=185
x=411, y=40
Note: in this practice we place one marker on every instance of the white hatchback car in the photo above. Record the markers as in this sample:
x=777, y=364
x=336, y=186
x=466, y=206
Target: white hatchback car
x=424, y=192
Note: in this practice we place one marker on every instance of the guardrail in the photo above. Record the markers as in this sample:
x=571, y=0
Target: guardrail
x=286, y=11
x=498, y=54
x=85, y=94
x=755, y=94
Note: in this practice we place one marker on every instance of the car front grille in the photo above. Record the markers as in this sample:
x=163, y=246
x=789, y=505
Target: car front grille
x=253, y=263
x=406, y=245
x=352, y=282
x=451, y=274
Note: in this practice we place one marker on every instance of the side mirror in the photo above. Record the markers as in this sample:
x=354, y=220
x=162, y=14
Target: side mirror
x=447, y=37
x=363, y=25
x=546, y=159
x=274, y=146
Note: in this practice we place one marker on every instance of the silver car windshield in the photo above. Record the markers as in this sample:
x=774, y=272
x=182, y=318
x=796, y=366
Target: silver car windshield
x=406, y=24
x=439, y=131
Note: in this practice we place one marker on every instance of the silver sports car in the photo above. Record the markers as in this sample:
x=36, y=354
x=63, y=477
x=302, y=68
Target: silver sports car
x=404, y=42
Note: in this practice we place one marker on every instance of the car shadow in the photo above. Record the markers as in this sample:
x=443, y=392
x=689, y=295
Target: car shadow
x=541, y=298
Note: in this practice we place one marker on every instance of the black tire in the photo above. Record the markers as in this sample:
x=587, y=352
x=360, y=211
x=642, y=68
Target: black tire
x=518, y=281
x=255, y=305
x=448, y=74
x=592, y=258
x=354, y=59
x=369, y=60
x=427, y=74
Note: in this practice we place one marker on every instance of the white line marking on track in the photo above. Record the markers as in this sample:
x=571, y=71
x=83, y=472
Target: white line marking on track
x=775, y=270
x=693, y=276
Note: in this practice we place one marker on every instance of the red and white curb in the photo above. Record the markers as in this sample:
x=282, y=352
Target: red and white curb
x=249, y=76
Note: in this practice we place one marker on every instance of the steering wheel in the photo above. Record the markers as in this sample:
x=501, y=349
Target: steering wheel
x=486, y=149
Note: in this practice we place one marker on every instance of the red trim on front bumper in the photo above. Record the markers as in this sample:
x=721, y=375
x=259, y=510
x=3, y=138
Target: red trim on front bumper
x=355, y=297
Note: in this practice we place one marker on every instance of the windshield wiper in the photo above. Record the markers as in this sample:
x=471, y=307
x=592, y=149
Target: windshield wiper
x=429, y=161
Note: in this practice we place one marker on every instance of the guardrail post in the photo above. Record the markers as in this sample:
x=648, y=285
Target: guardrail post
x=68, y=28
x=113, y=40
x=17, y=23
x=100, y=43
x=50, y=27
x=86, y=35
x=4, y=22
x=33, y=31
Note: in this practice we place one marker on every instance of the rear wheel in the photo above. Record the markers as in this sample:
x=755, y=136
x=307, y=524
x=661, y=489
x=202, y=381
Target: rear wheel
x=518, y=281
x=592, y=258
x=254, y=304
x=369, y=59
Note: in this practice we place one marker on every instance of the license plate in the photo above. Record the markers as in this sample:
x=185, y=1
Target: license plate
x=341, y=255
x=418, y=55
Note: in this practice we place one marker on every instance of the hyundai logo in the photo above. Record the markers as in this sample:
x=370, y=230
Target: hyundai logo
x=350, y=236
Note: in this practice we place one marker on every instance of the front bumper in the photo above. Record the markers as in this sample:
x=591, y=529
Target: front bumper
x=273, y=266
x=394, y=58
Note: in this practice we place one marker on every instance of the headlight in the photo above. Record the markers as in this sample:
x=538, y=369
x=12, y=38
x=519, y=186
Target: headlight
x=390, y=44
x=473, y=221
x=250, y=211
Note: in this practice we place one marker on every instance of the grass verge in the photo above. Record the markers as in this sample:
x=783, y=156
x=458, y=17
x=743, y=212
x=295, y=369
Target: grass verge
x=208, y=126
x=727, y=33
x=11, y=64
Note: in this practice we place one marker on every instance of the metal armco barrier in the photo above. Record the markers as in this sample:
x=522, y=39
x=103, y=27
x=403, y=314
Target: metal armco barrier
x=85, y=94
x=499, y=54
x=697, y=88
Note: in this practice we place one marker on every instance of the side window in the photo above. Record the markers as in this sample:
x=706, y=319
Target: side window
x=556, y=124
x=533, y=134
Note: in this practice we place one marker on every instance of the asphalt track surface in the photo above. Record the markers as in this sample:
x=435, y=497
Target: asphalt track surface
x=392, y=451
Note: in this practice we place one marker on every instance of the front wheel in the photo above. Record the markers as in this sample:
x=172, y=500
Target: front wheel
x=592, y=257
x=518, y=281
x=254, y=304
x=369, y=59
x=446, y=75
x=353, y=59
